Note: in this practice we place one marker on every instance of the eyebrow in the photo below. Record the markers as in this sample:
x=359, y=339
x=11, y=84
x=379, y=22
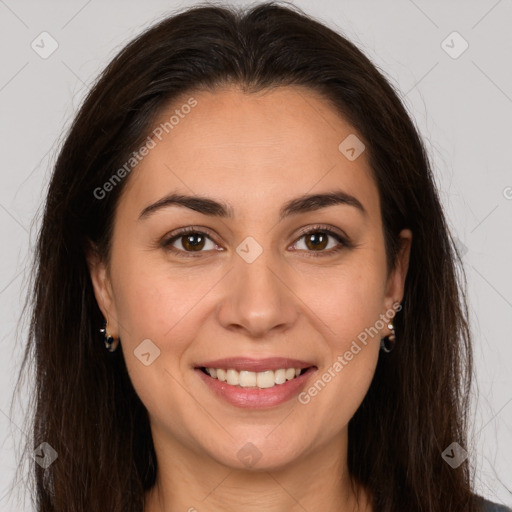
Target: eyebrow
x=211, y=207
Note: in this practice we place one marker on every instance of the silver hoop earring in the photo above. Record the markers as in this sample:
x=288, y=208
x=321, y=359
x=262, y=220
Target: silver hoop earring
x=110, y=342
x=387, y=344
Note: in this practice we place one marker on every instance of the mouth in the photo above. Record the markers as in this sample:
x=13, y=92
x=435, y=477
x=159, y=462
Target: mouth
x=256, y=380
x=248, y=372
x=253, y=383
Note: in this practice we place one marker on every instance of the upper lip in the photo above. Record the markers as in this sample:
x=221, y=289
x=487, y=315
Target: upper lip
x=255, y=365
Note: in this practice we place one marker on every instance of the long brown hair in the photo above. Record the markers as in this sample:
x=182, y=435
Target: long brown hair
x=85, y=406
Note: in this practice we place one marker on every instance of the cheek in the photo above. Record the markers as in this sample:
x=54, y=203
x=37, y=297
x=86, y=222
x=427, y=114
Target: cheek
x=153, y=299
x=349, y=301
x=349, y=305
x=164, y=304
x=155, y=304
x=352, y=342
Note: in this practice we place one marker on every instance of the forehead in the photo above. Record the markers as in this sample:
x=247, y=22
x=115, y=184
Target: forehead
x=256, y=149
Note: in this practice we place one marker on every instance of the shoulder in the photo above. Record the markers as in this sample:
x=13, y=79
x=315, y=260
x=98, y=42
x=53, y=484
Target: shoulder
x=489, y=506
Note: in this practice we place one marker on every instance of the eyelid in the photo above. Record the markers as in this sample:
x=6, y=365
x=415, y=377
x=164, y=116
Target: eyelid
x=180, y=232
x=343, y=240
x=332, y=231
x=322, y=227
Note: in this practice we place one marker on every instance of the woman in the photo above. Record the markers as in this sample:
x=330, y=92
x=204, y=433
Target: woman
x=246, y=294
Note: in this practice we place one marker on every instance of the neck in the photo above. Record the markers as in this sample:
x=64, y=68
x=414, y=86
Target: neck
x=318, y=481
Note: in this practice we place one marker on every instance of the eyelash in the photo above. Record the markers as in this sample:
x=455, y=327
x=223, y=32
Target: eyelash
x=343, y=242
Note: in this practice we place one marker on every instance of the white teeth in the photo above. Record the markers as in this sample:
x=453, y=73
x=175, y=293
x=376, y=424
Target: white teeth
x=247, y=379
x=290, y=373
x=265, y=379
x=232, y=377
x=280, y=376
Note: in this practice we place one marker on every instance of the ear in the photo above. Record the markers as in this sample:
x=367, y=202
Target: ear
x=102, y=288
x=396, y=281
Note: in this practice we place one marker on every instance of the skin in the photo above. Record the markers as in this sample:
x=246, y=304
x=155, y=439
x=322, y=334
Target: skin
x=255, y=152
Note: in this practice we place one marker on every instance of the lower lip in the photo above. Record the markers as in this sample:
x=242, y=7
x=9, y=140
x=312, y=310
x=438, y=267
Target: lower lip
x=256, y=398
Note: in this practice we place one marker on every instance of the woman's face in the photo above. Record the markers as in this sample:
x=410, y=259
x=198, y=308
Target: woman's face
x=249, y=283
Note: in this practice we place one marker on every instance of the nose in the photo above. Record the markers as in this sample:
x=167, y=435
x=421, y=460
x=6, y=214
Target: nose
x=259, y=297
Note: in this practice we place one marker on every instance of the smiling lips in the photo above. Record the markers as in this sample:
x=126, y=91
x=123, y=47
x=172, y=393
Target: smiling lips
x=255, y=383
x=255, y=365
x=255, y=373
x=246, y=379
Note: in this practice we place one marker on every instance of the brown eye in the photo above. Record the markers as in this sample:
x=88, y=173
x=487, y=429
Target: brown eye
x=193, y=242
x=189, y=241
x=316, y=240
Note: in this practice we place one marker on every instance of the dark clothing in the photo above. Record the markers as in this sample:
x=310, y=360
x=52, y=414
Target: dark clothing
x=489, y=506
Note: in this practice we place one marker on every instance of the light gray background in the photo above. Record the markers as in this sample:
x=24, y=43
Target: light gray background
x=462, y=106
